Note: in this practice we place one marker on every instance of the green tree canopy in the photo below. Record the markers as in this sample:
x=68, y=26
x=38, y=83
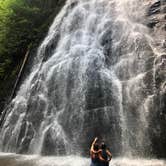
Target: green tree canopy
x=23, y=24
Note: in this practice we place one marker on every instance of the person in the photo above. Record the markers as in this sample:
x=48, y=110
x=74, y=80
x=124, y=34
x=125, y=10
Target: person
x=94, y=153
x=105, y=155
x=98, y=158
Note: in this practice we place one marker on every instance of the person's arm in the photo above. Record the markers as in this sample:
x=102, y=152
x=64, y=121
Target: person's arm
x=109, y=154
x=101, y=158
x=92, y=147
x=94, y=141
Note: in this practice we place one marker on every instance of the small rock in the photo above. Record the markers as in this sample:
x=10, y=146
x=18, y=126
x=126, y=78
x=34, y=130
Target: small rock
x=152, y=23
x=155, y=8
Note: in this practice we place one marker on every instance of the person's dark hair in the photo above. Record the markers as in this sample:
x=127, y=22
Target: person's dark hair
x=96, y=147
x=103, y=145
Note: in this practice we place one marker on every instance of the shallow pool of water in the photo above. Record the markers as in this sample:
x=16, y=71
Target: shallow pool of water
x=7, y=159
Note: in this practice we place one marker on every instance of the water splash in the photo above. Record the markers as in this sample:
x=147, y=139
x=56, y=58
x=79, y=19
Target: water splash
x=71, y=161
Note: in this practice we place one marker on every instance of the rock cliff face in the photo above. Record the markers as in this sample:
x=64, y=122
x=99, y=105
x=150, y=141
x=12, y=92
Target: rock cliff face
x=97, y=73
x=156, y=18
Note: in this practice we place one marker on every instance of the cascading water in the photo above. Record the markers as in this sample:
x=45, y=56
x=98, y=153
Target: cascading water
x=89, y=79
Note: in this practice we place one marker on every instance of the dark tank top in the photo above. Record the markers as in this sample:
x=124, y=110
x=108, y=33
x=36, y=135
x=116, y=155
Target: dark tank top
x=105, y=157
x=96, y=158
x=104, y=154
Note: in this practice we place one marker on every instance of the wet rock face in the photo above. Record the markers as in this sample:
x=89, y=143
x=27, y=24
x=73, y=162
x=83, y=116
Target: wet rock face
x=103, y=88
x=156, y=17
x=155, y=8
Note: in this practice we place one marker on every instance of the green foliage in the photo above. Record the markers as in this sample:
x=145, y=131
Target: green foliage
x=23, y=23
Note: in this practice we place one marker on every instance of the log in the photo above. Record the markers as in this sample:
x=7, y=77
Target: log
x=19, y=75
x=14, y=89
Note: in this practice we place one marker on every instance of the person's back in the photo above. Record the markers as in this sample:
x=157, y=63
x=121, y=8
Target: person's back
x=106, y=155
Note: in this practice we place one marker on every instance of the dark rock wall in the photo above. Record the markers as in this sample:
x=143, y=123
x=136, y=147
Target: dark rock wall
x=156, y=17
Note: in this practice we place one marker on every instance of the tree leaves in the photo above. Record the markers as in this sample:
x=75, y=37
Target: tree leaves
x=23, y=24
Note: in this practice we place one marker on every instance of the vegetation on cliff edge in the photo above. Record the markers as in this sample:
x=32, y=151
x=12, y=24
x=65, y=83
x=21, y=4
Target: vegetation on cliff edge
x=23, y=24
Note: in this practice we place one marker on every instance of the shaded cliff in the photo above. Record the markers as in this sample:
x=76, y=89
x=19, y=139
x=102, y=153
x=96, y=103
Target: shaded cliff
x=157, y=24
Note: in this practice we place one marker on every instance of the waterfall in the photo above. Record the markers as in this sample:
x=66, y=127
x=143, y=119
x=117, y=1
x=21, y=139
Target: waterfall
x=92, y=76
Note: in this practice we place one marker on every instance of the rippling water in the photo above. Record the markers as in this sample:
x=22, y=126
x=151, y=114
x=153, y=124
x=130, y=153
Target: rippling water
x=36, y=160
